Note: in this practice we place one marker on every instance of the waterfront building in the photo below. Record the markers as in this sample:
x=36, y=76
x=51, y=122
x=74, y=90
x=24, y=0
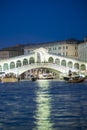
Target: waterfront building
x=9, y=52
x=4, y=55
x=67, y=48
x=82, y=50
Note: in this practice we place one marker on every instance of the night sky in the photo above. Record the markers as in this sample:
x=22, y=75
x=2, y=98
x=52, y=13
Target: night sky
x=36, y=21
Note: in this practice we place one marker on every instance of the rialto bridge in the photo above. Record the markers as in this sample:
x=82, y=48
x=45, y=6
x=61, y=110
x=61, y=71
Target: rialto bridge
x=40, y=58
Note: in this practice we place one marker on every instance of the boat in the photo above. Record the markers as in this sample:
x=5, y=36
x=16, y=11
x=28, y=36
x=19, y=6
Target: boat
x=33, y=79
x=66, y=78
x=46, y=76
x=73, y=77
x=9, y=79
x=76, y=80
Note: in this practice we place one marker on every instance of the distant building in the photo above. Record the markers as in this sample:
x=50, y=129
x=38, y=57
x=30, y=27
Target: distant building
x=6, y=53
x=64, y=48
x=67, y=48
x=82, y=50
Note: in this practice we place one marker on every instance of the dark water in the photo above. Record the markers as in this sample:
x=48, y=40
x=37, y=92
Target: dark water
x=43, y=105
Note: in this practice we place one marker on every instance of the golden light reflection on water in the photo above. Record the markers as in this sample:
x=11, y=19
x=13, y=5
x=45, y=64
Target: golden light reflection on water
x=43, y=106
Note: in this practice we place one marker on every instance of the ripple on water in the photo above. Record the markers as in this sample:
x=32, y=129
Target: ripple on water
x=43, y=105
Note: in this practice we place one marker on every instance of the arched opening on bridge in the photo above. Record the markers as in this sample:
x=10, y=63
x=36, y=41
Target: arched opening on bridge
x=40, y=73
x=0, y=68
x=63, y=63
x=70, y=64
x=83, y=67
x=57, y=61
x=18, y=63
x=5, y=66
x=12, y=65
x=25, y=61
x=76, y=65
x=50, y=60
x=31, y=60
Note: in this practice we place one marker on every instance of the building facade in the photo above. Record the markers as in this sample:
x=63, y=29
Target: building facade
x=6, y=53
x=67, y=48
x=64, y=48
x=82, y=51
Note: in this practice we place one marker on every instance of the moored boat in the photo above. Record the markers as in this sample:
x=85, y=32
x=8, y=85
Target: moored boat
x=76, y=80
x=9, y=79
x=46, y=76
x=66, y=78
x=33, y=79
x=74, y=77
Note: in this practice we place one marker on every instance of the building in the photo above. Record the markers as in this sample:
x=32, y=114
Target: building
x=67, y=48
x=64, y=48
x=82, y=50
x=6, y=53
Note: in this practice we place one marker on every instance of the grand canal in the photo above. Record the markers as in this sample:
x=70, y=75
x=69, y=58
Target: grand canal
x=43, y=105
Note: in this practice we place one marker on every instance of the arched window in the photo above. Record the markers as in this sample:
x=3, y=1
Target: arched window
x=63, y=63
x=31, y=60
x=76, y=66
x=12, y=65
x=25, y=62
x=50, y=60
x=18, y=64
x=83, y=67
x=70, y=64
x=57, y=61
x=5, y=66
x=0, y=68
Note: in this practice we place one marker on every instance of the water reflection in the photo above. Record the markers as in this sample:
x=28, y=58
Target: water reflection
x=43, y=106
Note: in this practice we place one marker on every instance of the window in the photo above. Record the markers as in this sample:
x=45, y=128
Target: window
x=66, y=47
x=66, y=53
x=75, y=47
x=59, y=54
x=49, y=49
x=59, y=48
x=63, y=53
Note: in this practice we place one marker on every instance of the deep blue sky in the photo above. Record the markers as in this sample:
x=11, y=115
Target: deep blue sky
x=32, y=21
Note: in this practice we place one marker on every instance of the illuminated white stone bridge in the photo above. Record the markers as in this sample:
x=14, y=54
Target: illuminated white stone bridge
x=40, y=58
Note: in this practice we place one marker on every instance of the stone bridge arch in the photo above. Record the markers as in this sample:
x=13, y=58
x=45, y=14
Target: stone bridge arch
x=20, y=70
